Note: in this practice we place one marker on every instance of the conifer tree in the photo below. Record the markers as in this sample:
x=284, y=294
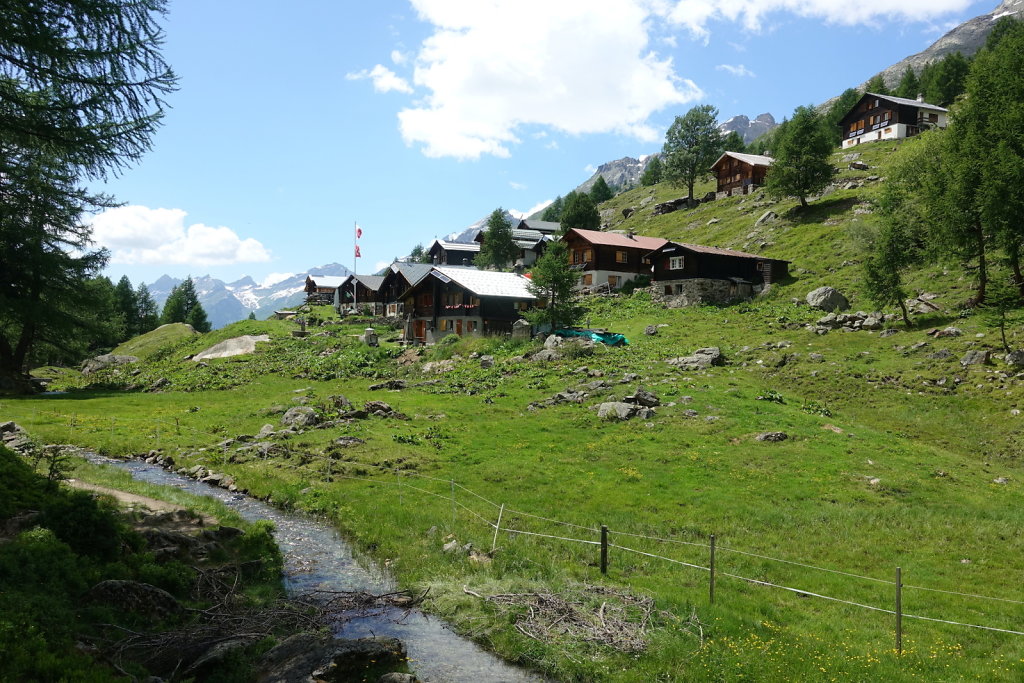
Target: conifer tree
x=733, y=142
x=553, y=282
x=599, y=191
x=877, y=85
x=909, y=86
x=146, y=313
x=182, y=306
x=553, y=211
x=837, y=111
x=499, y=250
x=652, y=174
x=579, y=213
x=126, y=306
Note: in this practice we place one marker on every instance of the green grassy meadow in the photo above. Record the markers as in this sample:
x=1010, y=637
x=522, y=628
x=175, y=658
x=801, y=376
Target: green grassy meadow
x=891, y=461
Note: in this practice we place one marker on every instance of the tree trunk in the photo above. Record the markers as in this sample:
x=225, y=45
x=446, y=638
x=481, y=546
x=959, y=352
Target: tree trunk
x=689, y=187
x=979, y=298
x=906, y=316
x=1018, y=278
x=803, y=201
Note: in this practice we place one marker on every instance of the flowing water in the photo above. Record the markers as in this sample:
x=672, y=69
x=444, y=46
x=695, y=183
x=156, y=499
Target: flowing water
x=316, y=557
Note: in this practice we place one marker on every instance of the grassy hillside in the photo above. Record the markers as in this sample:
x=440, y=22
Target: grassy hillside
x=896, y=456
x=145, y=345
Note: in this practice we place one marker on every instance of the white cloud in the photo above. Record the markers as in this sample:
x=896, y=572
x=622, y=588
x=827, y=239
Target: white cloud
x=736, y=70
x=551, y=145
x=383, y=78
x=590, y=168
x=695, y=15
x=380, y=265
x=491, y=68
x=532, y=210
x=140, y=235
x=274, y=278
x=399, y=57
x=516, y=186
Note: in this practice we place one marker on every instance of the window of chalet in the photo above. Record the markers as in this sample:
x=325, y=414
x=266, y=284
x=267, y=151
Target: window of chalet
x=587, y=279
x=668, y=289
x=577, y=256
x=614, y=281
x=425, y=299
x=622, y=256
x=588, y=255
x=446, y=324
x=522, y=305
x=676, y=262
x=471, y=325
x=760, y=266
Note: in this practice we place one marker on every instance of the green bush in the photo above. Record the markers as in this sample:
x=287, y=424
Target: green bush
x=89, y=527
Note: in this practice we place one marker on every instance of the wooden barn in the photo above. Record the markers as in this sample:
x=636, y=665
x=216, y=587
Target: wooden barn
x=739, y=173
x=399, y=279
x=675, y=262
x=323, y=289
x=444, y=253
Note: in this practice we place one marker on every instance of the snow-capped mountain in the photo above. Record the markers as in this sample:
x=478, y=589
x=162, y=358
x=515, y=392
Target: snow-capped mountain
x=227, y=302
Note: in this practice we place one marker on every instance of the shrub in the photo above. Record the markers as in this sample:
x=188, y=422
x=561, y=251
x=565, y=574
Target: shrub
x=89, y=527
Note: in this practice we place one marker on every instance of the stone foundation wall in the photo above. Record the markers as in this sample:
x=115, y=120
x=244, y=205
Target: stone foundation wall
x=695, y=291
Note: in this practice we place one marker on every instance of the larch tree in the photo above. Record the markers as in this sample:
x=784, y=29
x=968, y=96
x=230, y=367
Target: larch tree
x=599, y=191
x=652, y=174
x=579, y=212
x=909, y=85
x=692, y=143
x=553, y=282
x=801, y=154
x=82, y=84
x=146, y=312
x=499, y=250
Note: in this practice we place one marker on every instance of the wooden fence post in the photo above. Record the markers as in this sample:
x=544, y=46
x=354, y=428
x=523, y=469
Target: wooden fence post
x=711, y=584
x=604, y=549
x=453, y=505
x=899, y=611
x=497, y=528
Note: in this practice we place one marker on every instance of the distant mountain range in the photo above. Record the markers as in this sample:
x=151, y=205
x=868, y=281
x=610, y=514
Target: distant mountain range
x=226, y=302
x=750, y=130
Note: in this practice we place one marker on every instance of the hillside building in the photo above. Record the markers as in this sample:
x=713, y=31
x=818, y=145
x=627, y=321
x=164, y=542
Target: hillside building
x=739, y=173
x=885, y=117
x=687, y=274
x=608, y=260
x=444, y=253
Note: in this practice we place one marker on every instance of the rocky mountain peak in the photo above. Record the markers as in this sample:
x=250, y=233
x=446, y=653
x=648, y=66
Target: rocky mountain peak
x=750, y=130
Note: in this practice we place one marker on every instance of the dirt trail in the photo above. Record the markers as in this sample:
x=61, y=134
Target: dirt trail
x=126, y=499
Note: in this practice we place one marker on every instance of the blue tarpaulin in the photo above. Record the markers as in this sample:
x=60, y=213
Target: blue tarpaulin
x=609, y=338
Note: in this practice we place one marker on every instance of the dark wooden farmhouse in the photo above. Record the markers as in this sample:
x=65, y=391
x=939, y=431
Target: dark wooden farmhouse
x=453, y=253
x=607, y=260
x=739, y=173
x=362, y=292
x=398, y=280
x=885, y=117
x=453, y=300
x=531, y=245
x=323, y=289
x=686, y=274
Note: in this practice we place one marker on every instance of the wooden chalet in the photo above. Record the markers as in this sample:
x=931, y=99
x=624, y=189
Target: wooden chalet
x=453, y=300
x=885, y=117
x=739, y=173
x=444, y=253
x=607, y=260
x=675, y=262
x=399, y=279
x=363, y=292
x=323, y=289
x=531, y=243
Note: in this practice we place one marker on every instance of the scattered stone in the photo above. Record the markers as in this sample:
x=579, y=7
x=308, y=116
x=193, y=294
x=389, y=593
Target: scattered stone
x=767, y=217
x=299, y=416
x=390, y=385
x=948, y=332
x=858, y=166
x=816, y=357
x=266, y=431
x=644, y=398
x=888, y=333
x=772, y=436
x=700, y=360
x=827, y=299
x=976, y=357
x=617, y=410
x=486, y=362
x=651, y=330
x=438, y=366
x=1001, y=480
x=546, y=355
x=380, y=409
x=1015, y=358
x=941, y=354
x=306, y=657
x=346, y=441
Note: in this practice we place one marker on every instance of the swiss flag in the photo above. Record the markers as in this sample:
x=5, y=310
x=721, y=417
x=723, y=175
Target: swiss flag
x=359, y=231
x=358, y=255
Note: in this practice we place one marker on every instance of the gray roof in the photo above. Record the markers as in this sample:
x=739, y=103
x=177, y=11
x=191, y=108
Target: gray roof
x=543, y=226
x=455, y=246
x=372, y=282
x=486, y=282
x=413, y=272
x=334, y=281
x=907, y=101
x=752, y=159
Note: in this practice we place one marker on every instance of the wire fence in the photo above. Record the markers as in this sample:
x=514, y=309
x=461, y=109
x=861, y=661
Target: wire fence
x=511, y=522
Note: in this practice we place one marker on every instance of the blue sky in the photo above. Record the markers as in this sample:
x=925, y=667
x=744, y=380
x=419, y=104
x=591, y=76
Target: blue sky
x=418, y=117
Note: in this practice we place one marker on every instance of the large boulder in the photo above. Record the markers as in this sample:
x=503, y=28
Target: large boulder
x=700, y=360
x=299, y=416
x=304, y=657
x=976, y=357
x=545, y=355
x=107, y=360
x=827, y=299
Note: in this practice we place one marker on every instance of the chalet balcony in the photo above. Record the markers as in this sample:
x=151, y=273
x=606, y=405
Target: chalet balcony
x=459, y=310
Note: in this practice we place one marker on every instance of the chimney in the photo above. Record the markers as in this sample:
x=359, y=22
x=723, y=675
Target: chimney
x=630, y=234
x=920, y=97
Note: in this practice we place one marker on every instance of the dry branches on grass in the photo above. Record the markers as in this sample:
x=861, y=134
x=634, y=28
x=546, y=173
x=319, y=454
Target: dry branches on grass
x=593, y=614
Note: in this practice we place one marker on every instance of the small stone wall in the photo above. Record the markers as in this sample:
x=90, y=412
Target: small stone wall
x=695, y=291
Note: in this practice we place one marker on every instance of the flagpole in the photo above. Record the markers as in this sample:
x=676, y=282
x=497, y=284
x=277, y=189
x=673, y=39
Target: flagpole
x=355, y=266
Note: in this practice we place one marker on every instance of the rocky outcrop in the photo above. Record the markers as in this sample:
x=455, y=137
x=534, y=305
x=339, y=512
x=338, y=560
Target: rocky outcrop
x=304, y=657
x=107, y=360
x=827, y=299
x=750, y=130
x=236, y=346
x=135, y=597
x=700, y=360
